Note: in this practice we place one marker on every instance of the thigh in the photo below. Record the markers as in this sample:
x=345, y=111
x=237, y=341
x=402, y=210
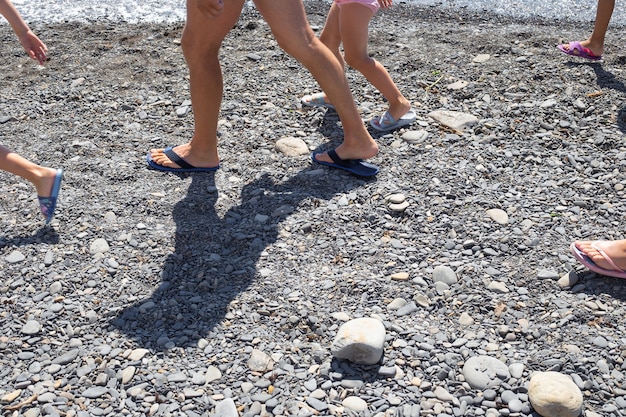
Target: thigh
x=354, y=19
x=287, y=19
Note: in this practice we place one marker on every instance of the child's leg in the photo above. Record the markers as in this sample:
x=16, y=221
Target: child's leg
x=603, y=17
x=330, y=36
x=353, y=25
x=41, y=177
x=595, y=43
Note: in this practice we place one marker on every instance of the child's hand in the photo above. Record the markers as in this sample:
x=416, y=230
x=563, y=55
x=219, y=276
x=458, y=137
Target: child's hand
x=385, y=4
x=34, y=47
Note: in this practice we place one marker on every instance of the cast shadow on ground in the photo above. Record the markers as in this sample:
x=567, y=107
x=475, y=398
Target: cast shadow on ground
x=45, y=234
x=215, y=257
x=607, y=80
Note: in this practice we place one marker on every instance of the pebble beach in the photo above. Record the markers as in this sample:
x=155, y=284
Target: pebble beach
x=223, y=294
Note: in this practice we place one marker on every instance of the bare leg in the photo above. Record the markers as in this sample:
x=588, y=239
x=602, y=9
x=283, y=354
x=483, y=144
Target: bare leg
x=201, y=42
x=615, y=249
x=41, y=177
x=354, y=19
x=294, y=34
x=595, y=43
x=331, y=36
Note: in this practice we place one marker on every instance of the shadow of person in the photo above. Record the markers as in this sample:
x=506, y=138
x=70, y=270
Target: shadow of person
x=215, y=256
x=45, y=234
x=606, y=80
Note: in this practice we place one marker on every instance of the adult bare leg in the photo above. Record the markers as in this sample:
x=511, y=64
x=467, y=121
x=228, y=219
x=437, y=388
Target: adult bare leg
x=201, y=42
x=289, y=24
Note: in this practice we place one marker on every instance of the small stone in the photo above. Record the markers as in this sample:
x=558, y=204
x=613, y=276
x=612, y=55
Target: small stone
x=400, y=276
x=396, y=198
x=212, y=374
x=546, y=274
x=415, y=136
x=465, y=319
x=98, y=246
x=568, y=280
x=31, y=327
x=481, y=58
x=498, y=216
x=226, y=408
x=444, y=274
x=399, y=207
x=260, y=361
x=457, y=85
x=15, y=257
x=11, y=396
x=127, y=374
x=453, y=119
x=137, y=354
x=355, y=404
x=498, y=286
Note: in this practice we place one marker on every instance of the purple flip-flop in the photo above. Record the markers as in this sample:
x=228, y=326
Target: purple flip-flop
x=576, y=49
x=585, y=260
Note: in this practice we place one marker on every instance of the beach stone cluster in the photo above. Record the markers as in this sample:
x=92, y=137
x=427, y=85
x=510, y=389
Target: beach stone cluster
x=277, y=287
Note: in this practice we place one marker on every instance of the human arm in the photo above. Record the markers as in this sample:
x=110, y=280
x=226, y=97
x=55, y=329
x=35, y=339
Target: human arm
x=35, y=48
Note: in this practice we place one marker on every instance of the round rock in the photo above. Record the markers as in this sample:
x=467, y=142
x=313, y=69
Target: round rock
x=553, y=394
x=483, y=372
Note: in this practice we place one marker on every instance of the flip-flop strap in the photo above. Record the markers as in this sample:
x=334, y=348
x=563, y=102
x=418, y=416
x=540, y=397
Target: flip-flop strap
x=169, y=152
x=387, y=120
x=318, y=99
x=607, y=258
x=343, y=162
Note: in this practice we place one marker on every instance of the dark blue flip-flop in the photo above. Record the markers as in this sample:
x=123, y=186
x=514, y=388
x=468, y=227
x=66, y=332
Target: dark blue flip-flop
x=47, y=205
x=353, y=166
x=184, y=165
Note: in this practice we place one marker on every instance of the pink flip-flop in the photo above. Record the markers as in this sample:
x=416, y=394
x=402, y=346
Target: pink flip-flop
x=576, y=49
x=617, y=272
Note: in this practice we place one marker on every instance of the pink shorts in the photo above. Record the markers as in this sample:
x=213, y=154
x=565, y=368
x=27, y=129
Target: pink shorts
x=372, y=4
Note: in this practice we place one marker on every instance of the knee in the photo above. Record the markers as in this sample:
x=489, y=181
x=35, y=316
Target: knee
x=358, y=61
x=297, y=46
x=194, y=45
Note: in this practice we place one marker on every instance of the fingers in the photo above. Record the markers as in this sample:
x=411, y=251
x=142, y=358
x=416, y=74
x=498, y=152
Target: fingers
x=385, y=4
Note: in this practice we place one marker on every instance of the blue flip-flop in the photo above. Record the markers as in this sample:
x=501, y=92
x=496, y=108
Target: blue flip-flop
x=47, y=205
x=386, y=122
x=353, y=166
x=175, y=158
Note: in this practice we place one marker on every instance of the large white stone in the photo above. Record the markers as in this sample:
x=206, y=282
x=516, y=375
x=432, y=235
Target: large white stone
x=553, y=394
x=291, y=146
x=360, y=341
x=454, y=119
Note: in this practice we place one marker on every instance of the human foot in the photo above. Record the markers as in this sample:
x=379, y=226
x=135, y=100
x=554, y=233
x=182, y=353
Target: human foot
x=48, y=201
x=347, y=152
x=44, y=181
x=353, y=166
x=182, y=159
x=583, y=49
x=317, y=100
x=606, y=257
